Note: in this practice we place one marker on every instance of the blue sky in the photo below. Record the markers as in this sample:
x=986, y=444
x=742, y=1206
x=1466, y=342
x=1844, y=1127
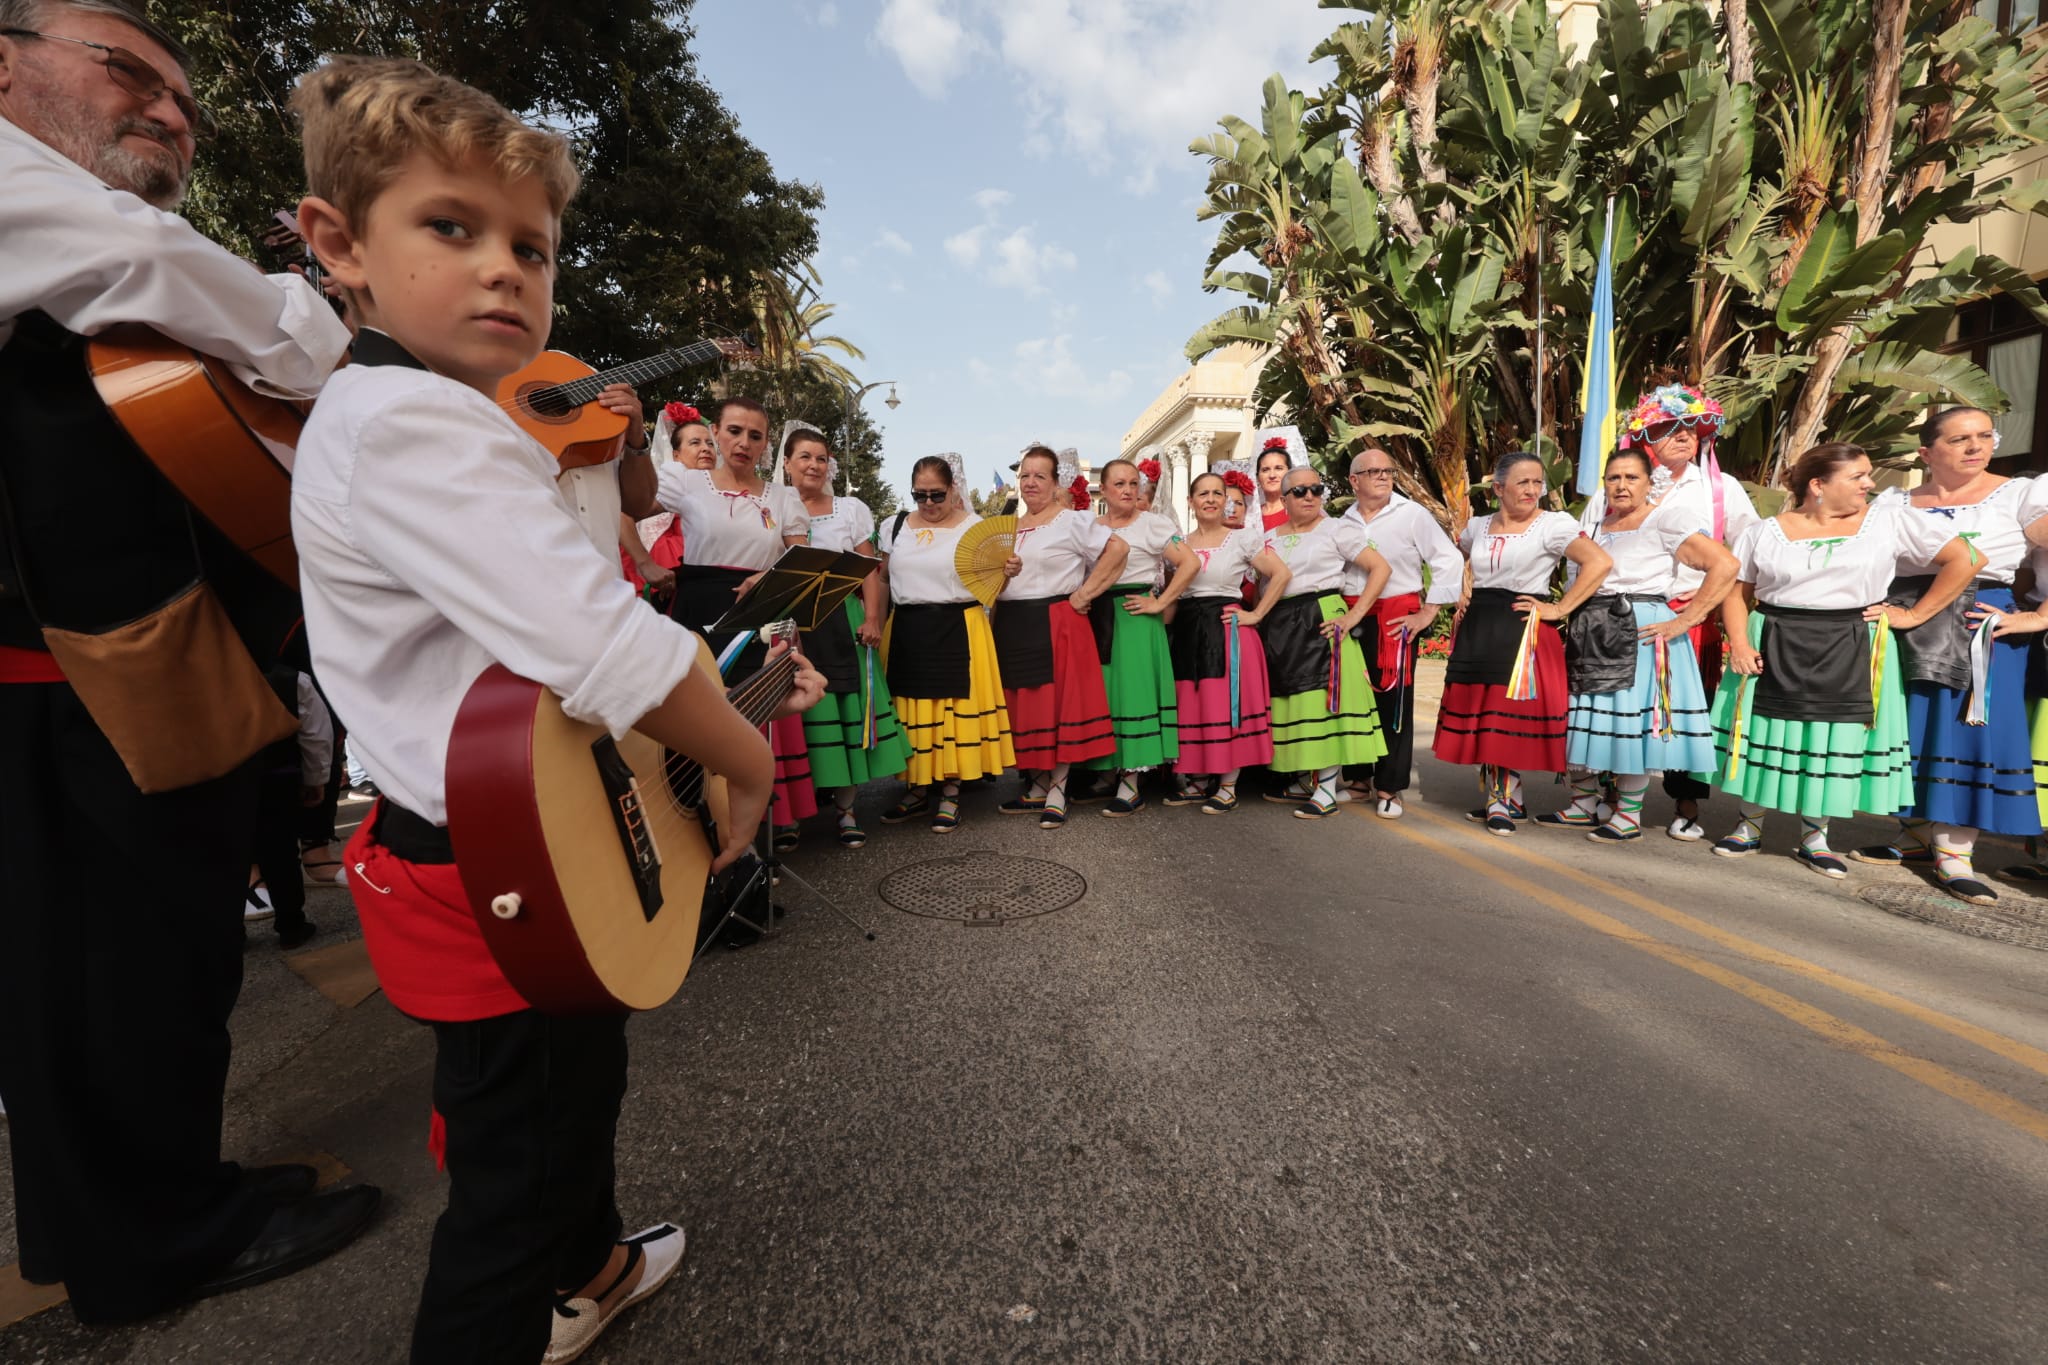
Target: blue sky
x=1009, y=228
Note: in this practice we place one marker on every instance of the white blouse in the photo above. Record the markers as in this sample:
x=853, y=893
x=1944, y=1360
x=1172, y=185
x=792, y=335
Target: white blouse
x=1522, y=562
x=1690, y=500
x=921, y=562
x=848, y=526
x=1057, y=556
x=1408, y=537
x=2034, y=506
x=1644, y=559
x=1836, y=572
x=1318, y=556
x=1148, y=535
x=1225, y=567
x=730, y=530
x=1994, y=528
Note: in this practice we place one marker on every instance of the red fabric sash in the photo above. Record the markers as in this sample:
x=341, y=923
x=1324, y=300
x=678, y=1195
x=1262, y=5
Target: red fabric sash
x=1389, y=656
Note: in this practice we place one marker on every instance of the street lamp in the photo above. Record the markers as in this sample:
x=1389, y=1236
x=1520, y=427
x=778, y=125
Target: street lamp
x=853, y=397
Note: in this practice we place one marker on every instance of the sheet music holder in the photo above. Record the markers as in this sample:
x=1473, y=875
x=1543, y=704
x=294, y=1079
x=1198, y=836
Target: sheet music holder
x=806, y=585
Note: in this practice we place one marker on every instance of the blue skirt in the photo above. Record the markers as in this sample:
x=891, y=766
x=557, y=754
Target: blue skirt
x=1611, y=732
x=1977, y=776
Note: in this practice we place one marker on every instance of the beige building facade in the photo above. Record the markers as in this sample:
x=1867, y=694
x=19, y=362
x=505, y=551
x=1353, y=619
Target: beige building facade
x=1204, y=416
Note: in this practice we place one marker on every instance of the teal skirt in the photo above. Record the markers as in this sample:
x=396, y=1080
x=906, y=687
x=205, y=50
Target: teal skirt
x=1810, y=767
x=833, y=728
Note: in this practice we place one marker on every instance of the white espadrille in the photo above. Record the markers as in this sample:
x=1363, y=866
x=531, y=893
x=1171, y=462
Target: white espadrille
x=579, y=1321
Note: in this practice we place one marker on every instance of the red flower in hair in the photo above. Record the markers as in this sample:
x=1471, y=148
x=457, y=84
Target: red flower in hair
x=1273, y=443
x=1241, y=481
x=1077, y=492
x=682, y=414
x=1149, y=469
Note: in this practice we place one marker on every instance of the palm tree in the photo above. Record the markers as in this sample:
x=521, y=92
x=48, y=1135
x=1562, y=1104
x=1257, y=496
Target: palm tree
x=788, y=318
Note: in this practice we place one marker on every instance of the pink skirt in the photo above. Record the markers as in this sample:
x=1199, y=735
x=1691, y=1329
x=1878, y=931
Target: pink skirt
x=1209, y=743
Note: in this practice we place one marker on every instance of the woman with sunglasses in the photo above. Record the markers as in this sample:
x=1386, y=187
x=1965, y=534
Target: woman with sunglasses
x=1223, y=696
x=843, y=752
x=1966, y=712
x=1323, y=711
x=1137, y=666
x=1059, y=710
x=1676, y=426
x=1505, y=692
x=940, y=657
x=1637, y=703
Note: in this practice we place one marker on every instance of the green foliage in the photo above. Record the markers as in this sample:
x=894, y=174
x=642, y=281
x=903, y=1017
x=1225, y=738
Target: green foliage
x=1398, y=234
x=679, y=214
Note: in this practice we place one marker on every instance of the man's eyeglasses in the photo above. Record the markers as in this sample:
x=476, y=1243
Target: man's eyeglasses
x=136, y=76
x=930, y=494
x=1308, y=490
x=1386, y=473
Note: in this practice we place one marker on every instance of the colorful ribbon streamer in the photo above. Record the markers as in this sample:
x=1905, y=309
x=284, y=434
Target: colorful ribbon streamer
x=1978, y=712
x=1400, y=675
x=732, y=651
x=1735, y=729
x=1522, y=681
x=867, y=717
x=1880, y=644
x=1660, y=701
x=1335, y=691
x=1233, y=650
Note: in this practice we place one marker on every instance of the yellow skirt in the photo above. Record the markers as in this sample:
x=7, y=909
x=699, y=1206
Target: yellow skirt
x=958, y=739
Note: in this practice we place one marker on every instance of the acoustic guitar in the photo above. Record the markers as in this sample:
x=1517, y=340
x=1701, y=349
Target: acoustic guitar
x=586, y=859
x=553, y=397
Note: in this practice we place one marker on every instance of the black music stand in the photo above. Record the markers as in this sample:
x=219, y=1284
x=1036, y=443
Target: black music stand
x=807, y=585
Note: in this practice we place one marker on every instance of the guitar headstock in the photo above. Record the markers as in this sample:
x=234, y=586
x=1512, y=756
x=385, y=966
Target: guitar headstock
x=777, y=633
x=739, y=350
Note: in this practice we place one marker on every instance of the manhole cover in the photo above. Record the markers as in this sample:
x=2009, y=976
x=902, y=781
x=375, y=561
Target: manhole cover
x=2022, y=924
x=982, y=888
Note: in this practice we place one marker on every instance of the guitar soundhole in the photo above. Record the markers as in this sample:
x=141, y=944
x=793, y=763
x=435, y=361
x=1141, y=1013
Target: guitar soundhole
x=547, y=403
x=636, y=841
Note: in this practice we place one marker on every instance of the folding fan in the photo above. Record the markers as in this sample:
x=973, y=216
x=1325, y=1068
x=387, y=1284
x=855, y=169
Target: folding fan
x=983, y=550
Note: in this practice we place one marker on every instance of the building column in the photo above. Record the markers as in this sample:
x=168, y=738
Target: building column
x=1176, y=489
x=1197, y=443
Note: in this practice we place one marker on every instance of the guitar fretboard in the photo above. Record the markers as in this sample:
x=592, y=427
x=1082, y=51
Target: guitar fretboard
x=561, y=398
x=755, y=698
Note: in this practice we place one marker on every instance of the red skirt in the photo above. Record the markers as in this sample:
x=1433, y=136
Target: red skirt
x=795, y=799
x=1067, y=719
x=1476, y=723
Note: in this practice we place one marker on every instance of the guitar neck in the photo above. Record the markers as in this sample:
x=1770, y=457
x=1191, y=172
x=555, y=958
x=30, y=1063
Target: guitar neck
x=577, y=392
x=755, y=698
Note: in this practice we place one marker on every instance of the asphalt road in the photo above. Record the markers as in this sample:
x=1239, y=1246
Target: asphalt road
x=1270, y=1090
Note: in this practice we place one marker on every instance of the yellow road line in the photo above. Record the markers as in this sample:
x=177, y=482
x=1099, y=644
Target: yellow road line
x=1839, y=1032
x=2033, y=1058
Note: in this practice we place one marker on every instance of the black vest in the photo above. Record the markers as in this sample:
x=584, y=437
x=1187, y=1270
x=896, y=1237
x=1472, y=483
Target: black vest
x=100, y=535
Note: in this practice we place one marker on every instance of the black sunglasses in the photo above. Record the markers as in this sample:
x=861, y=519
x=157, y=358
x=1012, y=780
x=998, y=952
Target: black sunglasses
x=1308, y=490
x=930, y=494
x=135, y=75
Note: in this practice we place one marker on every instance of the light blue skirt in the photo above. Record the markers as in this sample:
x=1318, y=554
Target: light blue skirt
x=1614, y=732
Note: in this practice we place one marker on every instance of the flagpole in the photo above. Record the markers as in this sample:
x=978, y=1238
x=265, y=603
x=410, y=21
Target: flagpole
x=1537, y=443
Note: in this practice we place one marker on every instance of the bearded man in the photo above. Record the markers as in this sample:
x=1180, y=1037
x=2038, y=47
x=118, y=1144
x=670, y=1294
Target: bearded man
x=120, y=928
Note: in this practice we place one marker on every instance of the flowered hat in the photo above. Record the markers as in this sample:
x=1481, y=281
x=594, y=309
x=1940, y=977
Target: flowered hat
x=1678, y=404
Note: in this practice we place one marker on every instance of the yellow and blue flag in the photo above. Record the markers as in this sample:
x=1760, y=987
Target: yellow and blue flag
x=1598, y=397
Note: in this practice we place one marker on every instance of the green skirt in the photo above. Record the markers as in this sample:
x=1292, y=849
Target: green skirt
x=1816, y=768
x=2037, y=728
x=1144, y=709
x=832, y=728
x=1308, y=736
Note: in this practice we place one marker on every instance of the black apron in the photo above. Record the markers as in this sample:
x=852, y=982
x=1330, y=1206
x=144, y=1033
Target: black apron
x=1488, y=639
x=1197, y=640
x=1297, y=652
x=1938, y=649
x=1600, y=644
x=928, y=650
x=1023, y=631
x=705, y=592
x=1816, y=665
x=832, y=650
x=1102, y=614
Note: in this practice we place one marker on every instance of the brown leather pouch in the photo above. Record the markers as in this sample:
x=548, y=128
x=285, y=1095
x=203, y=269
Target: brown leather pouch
x=174, y=690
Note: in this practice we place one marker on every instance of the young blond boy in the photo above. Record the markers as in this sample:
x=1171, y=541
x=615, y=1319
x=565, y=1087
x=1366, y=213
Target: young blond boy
x=439, y=213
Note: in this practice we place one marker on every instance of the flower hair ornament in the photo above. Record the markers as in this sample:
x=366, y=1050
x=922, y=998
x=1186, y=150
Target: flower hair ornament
x=672, y=416
x=1077, y=494
x=1672, y=406
x=1241, y=481
x=1148, y=470
x=682, y=414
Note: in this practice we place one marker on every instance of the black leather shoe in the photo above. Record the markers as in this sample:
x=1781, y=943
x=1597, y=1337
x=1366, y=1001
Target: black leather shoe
x=281, y=1184
x=296, y=1236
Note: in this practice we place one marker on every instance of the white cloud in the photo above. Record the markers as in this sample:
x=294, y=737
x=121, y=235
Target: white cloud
x=1159, y=286
x=894, y=241
x=1122, y=85
x=1064, y=313
x=988, y=201
x=965, y=247
x=1045, y=367
x=1022, y=264
x=827, y=15
x=929, y=40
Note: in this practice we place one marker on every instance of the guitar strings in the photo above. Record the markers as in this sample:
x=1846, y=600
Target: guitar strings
x=653, y=367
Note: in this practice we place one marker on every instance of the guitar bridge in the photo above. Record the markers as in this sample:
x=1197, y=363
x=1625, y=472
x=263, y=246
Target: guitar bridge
x=629, y=817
